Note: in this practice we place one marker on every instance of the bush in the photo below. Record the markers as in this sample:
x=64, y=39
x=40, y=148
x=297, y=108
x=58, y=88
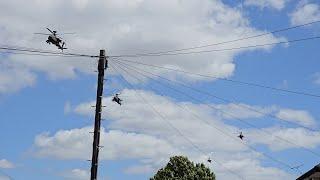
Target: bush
x=180, y=168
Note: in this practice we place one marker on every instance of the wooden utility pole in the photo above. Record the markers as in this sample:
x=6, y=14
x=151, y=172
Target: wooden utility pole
x=102, y=64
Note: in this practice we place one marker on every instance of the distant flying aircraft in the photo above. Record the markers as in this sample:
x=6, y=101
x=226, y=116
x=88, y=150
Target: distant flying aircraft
x=54, y=39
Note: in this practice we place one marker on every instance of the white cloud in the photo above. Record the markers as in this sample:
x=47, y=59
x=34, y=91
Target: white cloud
x=80, y=4
x=127, y=27
x=298, y=116
x=253, y=170
x=14, y=77
x=140, y=134
x=297, y=137
x=151, y=155
x=5, y=164
x=76, y=174
x=275, y=4
x=151, y=123
x=64, y=144
x=305, y=12
x=244, y=111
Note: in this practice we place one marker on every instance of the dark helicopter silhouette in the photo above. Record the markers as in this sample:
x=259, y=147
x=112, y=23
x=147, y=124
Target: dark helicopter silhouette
x=117, y=99
x=241, y=136
x=54, y=39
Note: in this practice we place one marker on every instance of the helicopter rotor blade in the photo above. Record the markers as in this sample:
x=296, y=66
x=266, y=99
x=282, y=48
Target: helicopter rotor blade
x=69, y=33
x=65, y=33
x=42, y=34
x=50, y=30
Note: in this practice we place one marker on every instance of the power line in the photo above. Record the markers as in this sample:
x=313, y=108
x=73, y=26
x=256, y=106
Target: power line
x=234, y=40
x=22, y=47
x=176, y=129
x=220, y=50
x=35, y=54
x=227, y=100
x=226, y=42
x=45, y=52
x=226, y=79
x=229, y=114
x=160, y=115
x=184, y=49
x=250, y=147
x=247, y=145
x=173, y=127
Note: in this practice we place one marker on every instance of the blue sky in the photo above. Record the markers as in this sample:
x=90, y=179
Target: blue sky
x=45, y=101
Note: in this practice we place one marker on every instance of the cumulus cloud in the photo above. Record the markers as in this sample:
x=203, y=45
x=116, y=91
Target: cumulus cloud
x=118, y=145
x=134, y=107
x=254, y=170
x=202, y=118
x=127, y=27
x=305, y=12
x=244, y=111
x=297, y=138
x=14, y=77
x=275, y=4
x=140, y=134
x=151, y=155
x=152, y=123
x=298, y=116
x=64, y=144
x=5, y=164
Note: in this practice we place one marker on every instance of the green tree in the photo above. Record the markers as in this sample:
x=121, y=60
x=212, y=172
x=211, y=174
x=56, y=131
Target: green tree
x=180, y=168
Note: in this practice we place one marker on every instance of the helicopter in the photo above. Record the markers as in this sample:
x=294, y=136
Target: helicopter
x=117, y=99
x=54, y=39
x=241, y=136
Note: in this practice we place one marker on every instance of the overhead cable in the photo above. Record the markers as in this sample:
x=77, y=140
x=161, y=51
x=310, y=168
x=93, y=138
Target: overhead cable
x=247, y=145
x=176, y=129
x=225, y=79
x=15, y=49
x=229, y=101
x=224, y=112
x=218, y=50
x=234, y=40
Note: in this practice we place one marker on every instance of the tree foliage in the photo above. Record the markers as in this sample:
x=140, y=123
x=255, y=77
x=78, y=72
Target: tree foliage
x=180, y=168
